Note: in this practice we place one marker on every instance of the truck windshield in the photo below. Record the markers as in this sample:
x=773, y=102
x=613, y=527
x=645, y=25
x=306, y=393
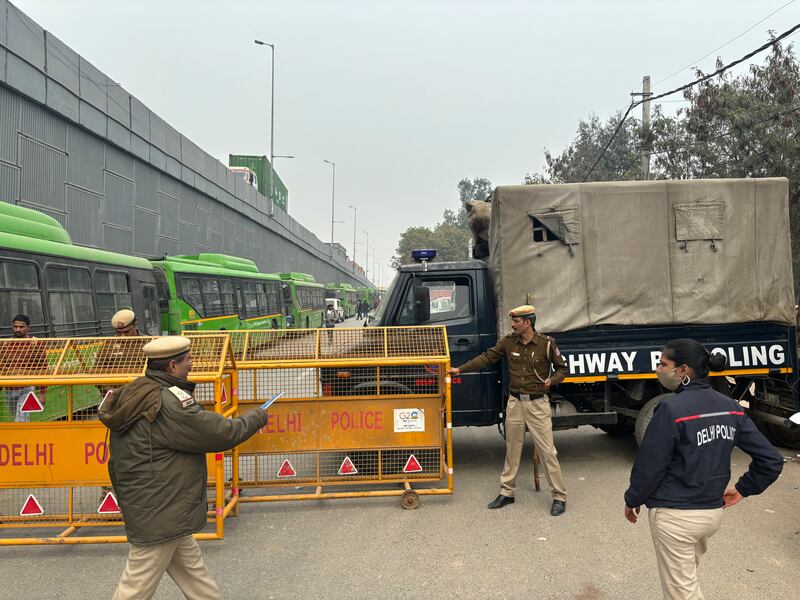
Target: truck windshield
x=377, y=317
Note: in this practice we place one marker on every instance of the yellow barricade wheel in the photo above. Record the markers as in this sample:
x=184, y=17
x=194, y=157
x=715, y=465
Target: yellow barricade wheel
x=409, y=500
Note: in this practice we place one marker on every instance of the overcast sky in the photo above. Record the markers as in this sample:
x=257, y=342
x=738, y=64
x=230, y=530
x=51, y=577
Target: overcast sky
x=406, y=97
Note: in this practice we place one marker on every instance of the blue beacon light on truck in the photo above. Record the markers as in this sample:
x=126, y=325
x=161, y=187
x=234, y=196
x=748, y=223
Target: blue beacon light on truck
x=423, y=255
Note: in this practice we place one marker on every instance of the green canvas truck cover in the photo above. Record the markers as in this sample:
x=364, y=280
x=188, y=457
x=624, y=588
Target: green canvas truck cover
x=642, y=253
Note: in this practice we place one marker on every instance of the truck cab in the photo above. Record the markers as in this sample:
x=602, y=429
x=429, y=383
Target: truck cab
x=459, y=296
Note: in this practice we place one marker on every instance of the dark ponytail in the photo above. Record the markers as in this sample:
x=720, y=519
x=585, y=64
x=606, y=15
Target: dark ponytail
x=689, y=352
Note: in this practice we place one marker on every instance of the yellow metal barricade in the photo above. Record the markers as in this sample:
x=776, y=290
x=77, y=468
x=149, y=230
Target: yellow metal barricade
x=360, y=406
x=53, y=450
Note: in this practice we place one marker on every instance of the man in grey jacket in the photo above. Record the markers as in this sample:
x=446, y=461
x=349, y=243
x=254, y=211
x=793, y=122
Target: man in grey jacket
x=158, y=444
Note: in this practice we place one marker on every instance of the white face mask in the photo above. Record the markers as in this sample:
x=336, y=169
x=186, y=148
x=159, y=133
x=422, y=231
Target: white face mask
x=671, y=380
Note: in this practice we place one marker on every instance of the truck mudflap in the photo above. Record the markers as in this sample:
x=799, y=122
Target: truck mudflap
x=575, y=420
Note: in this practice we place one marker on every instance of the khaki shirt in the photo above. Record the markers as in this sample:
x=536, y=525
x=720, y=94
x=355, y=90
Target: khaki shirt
x=528, y=364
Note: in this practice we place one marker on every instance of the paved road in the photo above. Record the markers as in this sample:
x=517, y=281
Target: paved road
x=453, y=547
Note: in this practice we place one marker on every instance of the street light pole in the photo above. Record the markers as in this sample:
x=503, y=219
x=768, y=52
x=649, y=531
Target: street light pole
x=373, y=264
x=333, y=197
x=355, y=217
x=271, y=122
x=366, y=259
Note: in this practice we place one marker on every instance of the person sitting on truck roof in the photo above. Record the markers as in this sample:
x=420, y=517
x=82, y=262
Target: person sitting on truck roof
x=684, y=464
x=535, y=365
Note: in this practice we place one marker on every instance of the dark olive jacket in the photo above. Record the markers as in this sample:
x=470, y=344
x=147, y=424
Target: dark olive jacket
x=158, y=447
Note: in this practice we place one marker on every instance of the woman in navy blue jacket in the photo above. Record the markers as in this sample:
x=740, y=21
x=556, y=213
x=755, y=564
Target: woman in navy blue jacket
x=682, y=468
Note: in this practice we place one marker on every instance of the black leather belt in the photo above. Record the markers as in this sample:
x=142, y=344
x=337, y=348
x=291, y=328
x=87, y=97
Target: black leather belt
x=520, y=396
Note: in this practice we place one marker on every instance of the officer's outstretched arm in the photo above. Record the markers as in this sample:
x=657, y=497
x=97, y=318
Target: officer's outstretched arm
x=193, y=429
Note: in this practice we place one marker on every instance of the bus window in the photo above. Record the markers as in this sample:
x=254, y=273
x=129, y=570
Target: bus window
x=113, y=294
x=250, y=299
x=69, y=292
x=273, y=297
x=212, y=301
x=190, y=293
x=151, y=323
x=20, y=293
x=228, y=298
x=287, y=295
x=263, y=306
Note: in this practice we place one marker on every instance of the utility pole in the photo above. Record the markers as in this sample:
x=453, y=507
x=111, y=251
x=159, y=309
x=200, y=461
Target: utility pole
x=373, y=264
x=355, y=217
x=646, y=137
x=333, y=197
x=366, y=254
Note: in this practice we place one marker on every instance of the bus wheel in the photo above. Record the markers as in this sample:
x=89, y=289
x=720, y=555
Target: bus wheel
x=646, y=415
x=274, y=323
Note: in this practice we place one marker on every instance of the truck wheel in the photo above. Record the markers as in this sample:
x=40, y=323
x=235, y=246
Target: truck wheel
x=618, y=429
x=646, y=415
x=782, y=436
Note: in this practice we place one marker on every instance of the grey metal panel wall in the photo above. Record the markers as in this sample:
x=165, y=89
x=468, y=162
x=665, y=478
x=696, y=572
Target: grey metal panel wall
x=145, y=224
x=9, y=183
x=44, y=126
x=146, y=187
x=44, y=174
x=118, y=200
x=84, y=216
x=9, y=125
x=85, y=160
x=76, y=145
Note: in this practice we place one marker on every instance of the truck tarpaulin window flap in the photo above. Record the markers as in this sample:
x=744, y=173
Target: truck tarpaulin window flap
x=698, y=221
x=563, y=223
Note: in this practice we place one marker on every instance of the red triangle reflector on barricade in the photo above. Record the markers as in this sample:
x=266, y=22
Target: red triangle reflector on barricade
x=412, y=465
x=287, y=470
x=223, y=397
x=31, y=507
x=109, y=505
x=31, y=404
x=348, y=468
x=106, y=397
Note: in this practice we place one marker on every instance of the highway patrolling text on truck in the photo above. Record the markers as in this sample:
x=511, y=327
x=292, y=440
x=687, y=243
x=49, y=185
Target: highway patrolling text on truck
x=615, y=270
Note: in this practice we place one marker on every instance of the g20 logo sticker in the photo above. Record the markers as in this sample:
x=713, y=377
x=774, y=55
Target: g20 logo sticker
x=409, y=419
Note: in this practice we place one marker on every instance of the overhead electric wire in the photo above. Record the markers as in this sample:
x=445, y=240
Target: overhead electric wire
x=748, y=30
x=686, y=86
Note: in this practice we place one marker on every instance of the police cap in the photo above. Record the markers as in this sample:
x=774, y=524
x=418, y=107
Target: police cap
x=526, y=310
x=123, y=318
x=171, y=346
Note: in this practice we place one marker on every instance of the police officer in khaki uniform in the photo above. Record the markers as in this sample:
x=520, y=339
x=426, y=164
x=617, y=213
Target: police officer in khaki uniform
x=158, y=444
x=535, y=365
x=125, y=323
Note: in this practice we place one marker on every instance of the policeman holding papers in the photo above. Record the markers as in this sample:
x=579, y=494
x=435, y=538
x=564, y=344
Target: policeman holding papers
x=159, y=439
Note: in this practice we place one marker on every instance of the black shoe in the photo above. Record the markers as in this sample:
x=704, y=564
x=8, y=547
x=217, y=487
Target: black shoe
x=501, y=501
x=558, y=508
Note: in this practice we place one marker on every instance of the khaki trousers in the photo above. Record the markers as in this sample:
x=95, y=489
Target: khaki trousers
x=180, y=558
x=533, y=415
x=680, y=538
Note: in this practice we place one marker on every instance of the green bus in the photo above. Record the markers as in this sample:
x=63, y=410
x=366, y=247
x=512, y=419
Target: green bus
x=215, y=292
x=346, y=294
x=371, y=296
x=67, y=290
x=304, y=300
